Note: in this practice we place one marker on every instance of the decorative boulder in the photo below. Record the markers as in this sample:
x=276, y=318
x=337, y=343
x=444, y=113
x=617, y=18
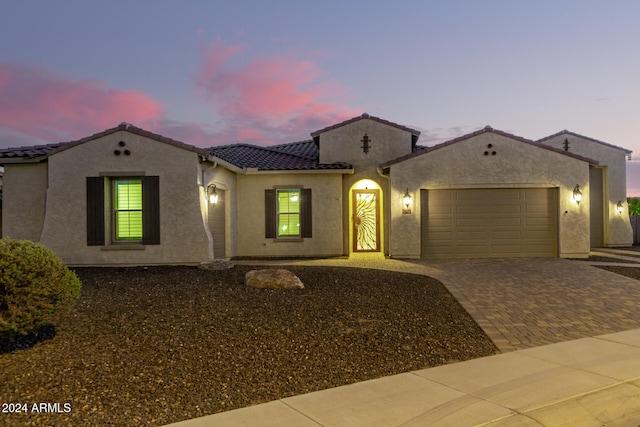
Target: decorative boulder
x=218, y=264
x=272, y=279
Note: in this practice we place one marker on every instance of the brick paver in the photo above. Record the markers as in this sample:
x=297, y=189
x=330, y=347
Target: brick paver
x=523, y=303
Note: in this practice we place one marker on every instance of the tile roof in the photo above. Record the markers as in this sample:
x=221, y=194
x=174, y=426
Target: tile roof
x=566, y=132
x=366, y=116
x=302, y=155
x=28, y=152
x=480, y=132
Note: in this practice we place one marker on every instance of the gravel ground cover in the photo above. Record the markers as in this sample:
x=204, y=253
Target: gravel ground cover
x=159, y=345
x=633, y=272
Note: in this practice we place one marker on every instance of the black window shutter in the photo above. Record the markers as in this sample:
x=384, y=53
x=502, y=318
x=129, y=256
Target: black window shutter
x=305, y=213
x=150, y=210
x=95, y=211
x=270, y=220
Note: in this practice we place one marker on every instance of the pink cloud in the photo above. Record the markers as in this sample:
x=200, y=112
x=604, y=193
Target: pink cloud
x=40, y=103
x=270, y=97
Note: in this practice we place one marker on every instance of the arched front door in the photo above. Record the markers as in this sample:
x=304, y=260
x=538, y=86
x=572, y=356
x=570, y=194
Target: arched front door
x=366, y=220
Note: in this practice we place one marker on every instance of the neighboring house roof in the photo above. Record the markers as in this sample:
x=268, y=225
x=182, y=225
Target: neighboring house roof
x=302, y=155
x=40, y=152
x=366, y=116
x=566, y=132
x=480, y=132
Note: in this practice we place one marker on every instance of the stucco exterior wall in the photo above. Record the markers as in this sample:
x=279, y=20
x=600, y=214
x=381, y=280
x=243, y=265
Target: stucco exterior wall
x=183, y=239
x=326, y=237
x=24, y=189
x=464, y=165
x=344, y=143
x=618, y=230
x=225, y=180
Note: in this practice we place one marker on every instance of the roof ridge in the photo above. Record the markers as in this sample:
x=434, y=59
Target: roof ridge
x=366, y=116
x=568, y=132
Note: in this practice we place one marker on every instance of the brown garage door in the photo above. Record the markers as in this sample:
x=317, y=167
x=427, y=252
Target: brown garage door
x=496, y=222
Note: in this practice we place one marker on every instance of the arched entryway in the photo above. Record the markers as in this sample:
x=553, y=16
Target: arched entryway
x=365, y=211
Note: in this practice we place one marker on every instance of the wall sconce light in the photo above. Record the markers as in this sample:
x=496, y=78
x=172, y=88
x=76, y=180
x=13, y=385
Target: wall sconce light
x=406, y=199
x=619, y=207
x=577, y=194
x=211, y=192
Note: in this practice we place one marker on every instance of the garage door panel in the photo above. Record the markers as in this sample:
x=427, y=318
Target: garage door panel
x=470, y=236
x=505, y=222
x=539, y=222
x=442, y=222
x=507, y=234
x=490, y=222
x=470, y=222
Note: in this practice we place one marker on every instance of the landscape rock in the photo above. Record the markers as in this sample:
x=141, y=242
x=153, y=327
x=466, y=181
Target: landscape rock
x=272, y=279
x=217, y=264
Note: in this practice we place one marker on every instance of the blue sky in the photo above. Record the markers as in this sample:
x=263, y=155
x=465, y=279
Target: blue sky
x=214, y=72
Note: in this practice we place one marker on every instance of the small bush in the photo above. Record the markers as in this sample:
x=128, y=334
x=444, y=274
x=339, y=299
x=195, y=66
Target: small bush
x=35, y=285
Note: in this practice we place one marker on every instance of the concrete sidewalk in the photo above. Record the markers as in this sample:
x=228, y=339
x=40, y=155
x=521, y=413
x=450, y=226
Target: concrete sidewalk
x=585, y=382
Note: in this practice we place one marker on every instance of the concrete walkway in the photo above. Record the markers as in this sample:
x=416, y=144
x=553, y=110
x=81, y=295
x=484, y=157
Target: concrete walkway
x=523, y=305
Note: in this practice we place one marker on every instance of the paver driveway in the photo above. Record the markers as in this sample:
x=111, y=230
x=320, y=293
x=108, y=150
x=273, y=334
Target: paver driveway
x=522, y=303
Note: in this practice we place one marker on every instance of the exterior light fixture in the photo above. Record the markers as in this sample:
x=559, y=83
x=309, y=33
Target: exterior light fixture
x=619, y=207
x=406, y=199
x=211, y=192
x=577, y=194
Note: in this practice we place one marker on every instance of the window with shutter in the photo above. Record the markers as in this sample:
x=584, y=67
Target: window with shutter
x=135, y=210
x=288, y=213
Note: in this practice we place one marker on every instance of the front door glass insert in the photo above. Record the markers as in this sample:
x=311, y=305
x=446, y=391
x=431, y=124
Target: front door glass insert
x=366, y=220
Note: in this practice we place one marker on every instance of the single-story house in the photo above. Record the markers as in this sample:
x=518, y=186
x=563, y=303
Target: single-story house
x=127, y=196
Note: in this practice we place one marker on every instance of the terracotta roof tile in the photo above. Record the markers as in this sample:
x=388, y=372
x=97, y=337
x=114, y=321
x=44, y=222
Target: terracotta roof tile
x=301, y=155
x=28, y=152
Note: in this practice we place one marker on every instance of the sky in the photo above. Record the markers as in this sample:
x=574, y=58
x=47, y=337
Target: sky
x=268, y=72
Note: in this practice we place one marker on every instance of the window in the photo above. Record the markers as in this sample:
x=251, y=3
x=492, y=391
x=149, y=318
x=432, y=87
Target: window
x=288, y=213
x=129, y=207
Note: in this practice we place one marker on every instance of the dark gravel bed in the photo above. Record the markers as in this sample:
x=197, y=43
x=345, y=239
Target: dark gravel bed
x=633, y=272
x=156, y=346
x=609, y=259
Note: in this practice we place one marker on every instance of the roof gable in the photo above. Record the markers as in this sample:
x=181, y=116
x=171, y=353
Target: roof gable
x=480, y=132
x=41, y=152
x=362, y=117
x=566, y=132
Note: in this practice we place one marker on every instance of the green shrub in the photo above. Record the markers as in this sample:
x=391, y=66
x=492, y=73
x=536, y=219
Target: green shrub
x=634, y=205
x=35, y=285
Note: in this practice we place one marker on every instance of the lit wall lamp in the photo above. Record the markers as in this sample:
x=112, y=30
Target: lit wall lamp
x=406, y=199
x=619, y=207
x=577, y=194
x=211, y=192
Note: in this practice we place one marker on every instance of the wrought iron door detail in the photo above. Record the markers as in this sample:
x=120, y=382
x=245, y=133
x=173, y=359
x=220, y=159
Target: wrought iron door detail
x=366, y=212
